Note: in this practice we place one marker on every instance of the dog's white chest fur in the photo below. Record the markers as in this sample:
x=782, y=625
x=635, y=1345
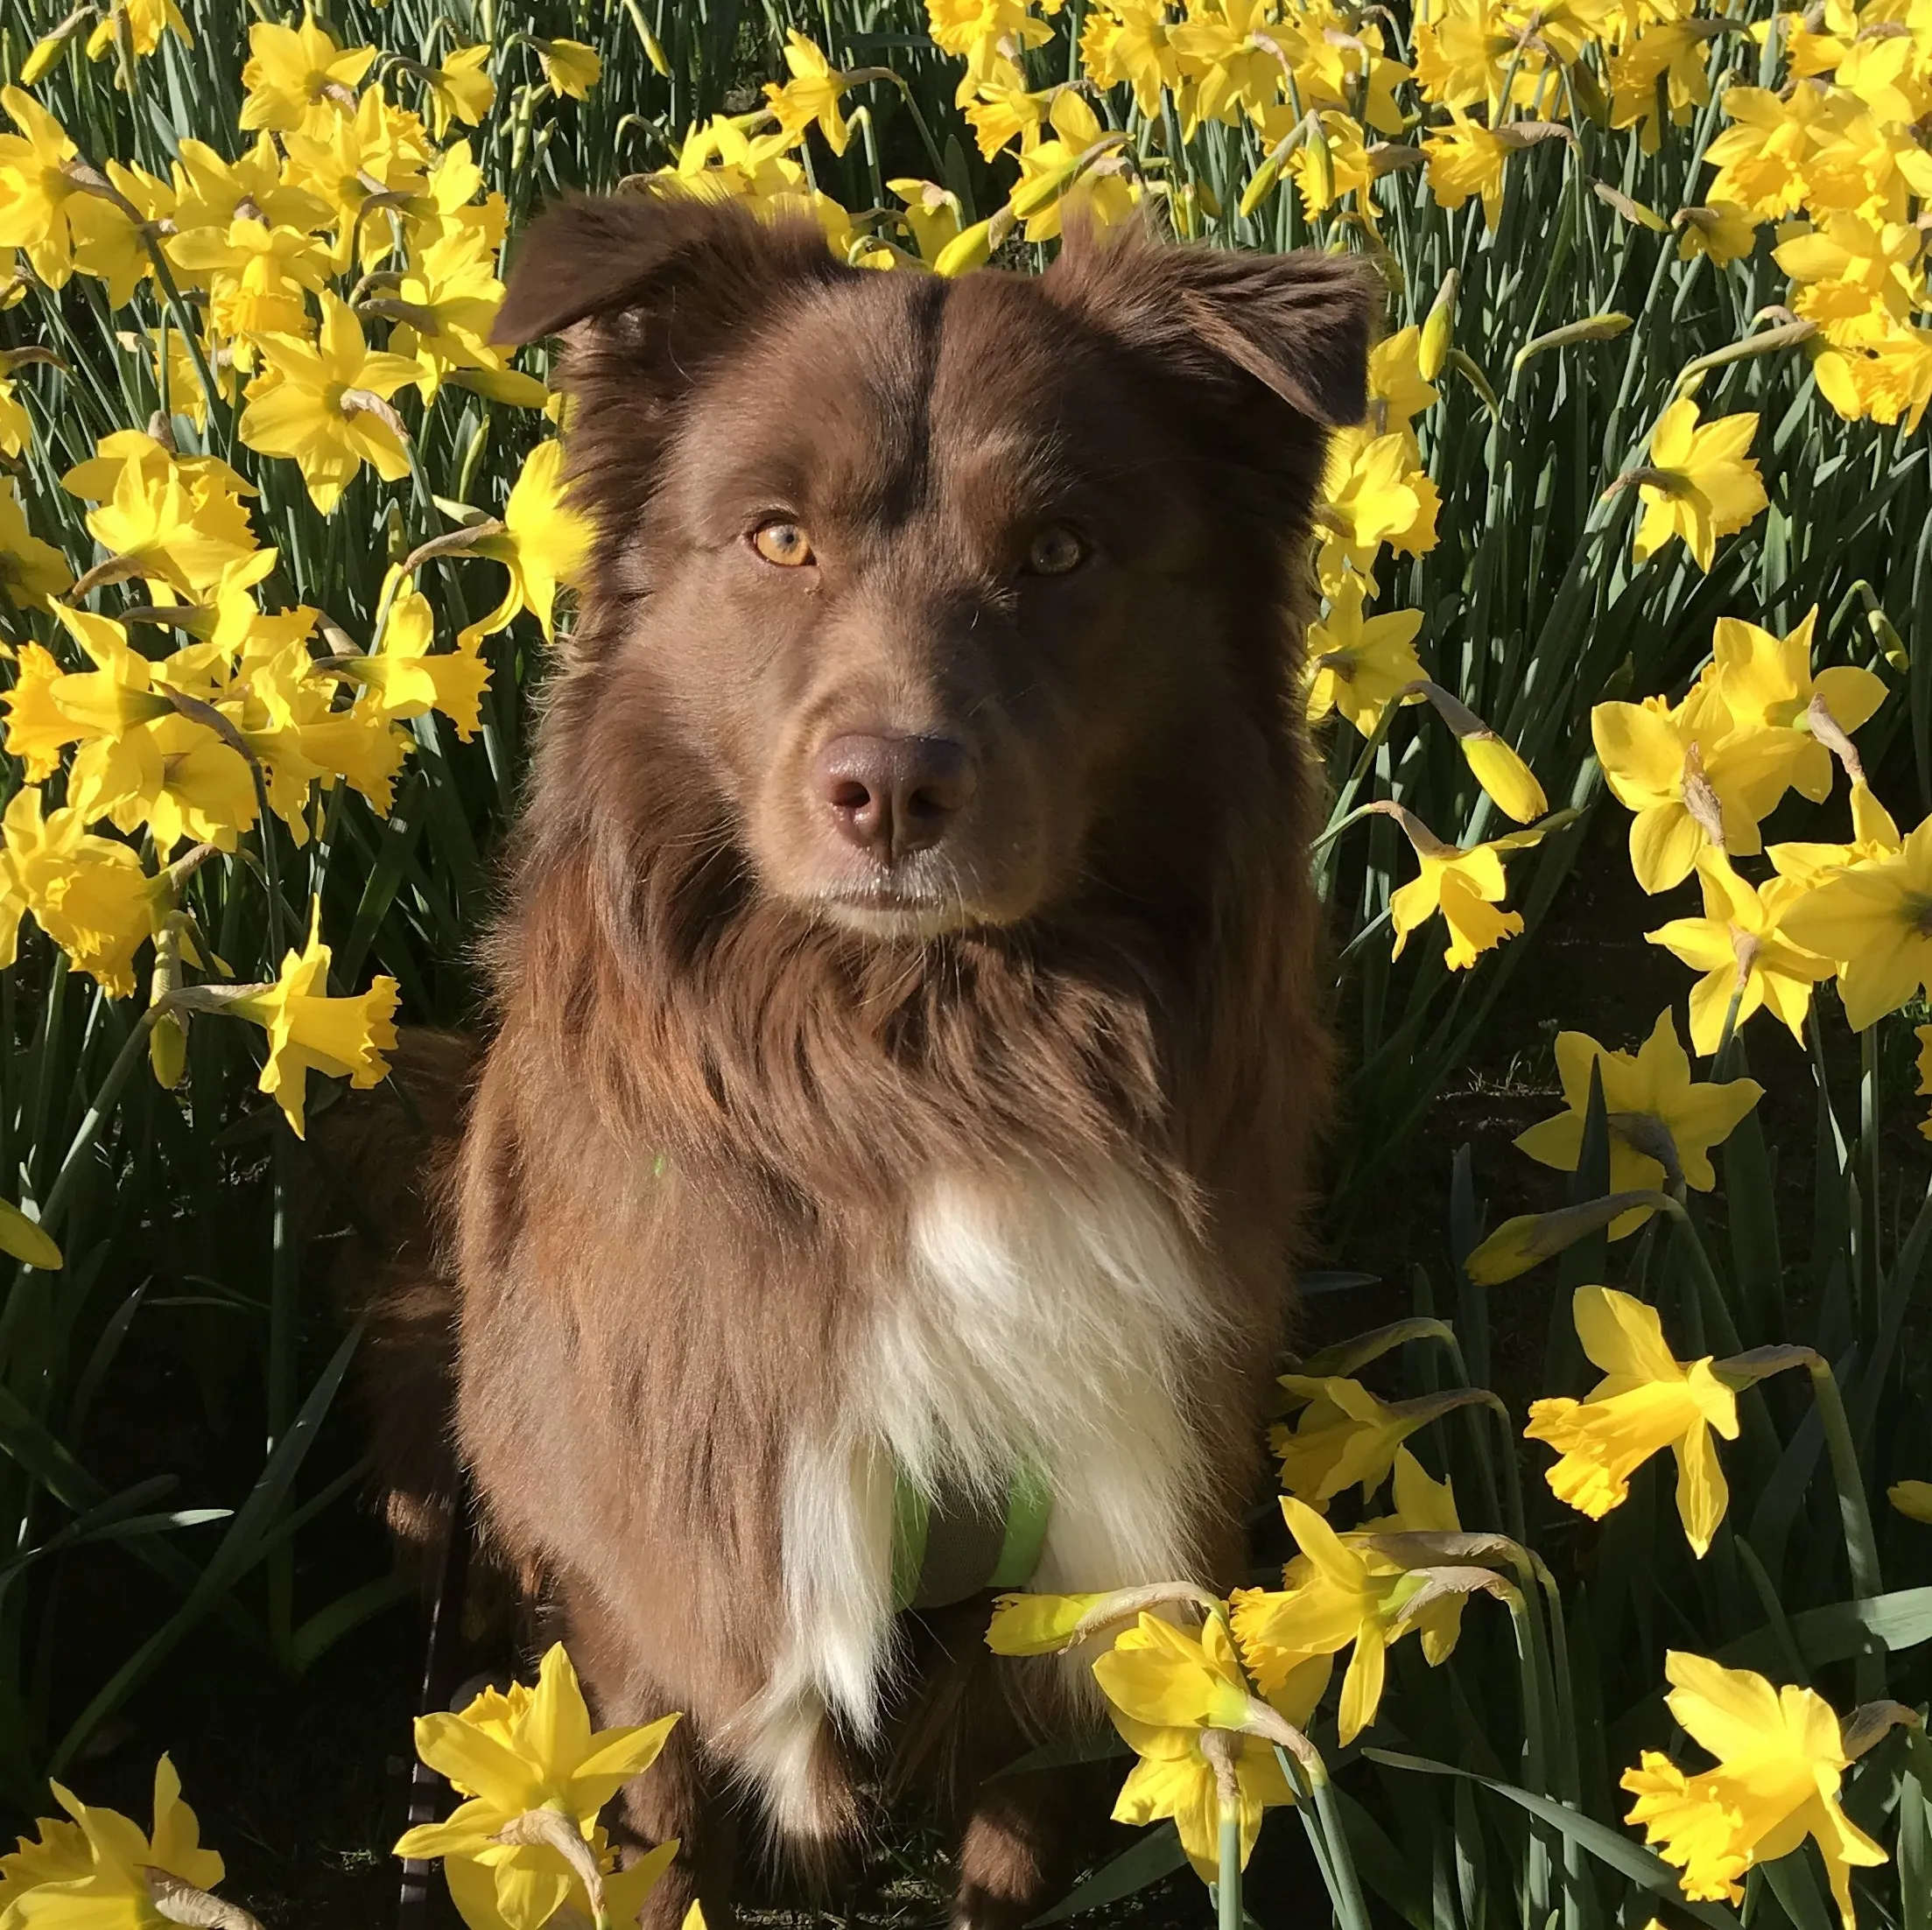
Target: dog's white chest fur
x=1037, y=1320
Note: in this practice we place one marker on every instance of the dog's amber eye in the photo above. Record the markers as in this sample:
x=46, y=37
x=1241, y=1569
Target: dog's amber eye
x=782, y=543
x=1054, y=551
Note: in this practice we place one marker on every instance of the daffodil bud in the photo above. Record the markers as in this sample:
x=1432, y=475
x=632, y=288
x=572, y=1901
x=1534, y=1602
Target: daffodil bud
x=1510, y=783
x=1530, y=1238
x=971, y=248
x=1604, y=327
x=168, y=1051
x=1438, y=328
x=23, y=1240
x=1912, y=1499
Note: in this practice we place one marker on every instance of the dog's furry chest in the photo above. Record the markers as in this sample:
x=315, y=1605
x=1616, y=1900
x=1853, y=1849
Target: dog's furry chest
x=1032, y=1319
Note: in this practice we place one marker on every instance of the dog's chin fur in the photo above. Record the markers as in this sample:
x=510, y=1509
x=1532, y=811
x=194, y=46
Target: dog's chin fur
x=759, y=1200
x=889, y=918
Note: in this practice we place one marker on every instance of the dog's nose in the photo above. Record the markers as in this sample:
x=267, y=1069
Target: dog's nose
x=892, y=796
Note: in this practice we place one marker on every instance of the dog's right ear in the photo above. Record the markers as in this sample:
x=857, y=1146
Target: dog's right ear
x=658, y=262
x=649, y=291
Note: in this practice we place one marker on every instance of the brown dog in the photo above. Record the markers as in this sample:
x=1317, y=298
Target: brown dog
x=907, y=1052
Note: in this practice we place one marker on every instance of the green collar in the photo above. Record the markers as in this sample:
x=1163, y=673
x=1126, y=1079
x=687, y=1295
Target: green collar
x=952, y=1545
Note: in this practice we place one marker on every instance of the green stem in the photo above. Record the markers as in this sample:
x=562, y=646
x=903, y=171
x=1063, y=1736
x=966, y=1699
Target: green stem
x=1227, y=1892
x=1350, y=1907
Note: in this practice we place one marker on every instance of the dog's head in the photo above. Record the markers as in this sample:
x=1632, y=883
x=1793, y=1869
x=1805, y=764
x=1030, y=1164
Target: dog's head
x=948, y=594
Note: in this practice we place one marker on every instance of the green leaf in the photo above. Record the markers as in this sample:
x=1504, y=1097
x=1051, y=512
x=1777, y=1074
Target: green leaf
x=1158, y=1854
x=1629, y=1859
x=1098, y=1745
x=328, y=1625
x=243, y=1545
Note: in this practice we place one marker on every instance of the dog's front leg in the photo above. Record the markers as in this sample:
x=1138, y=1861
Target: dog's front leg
x=680, y=1796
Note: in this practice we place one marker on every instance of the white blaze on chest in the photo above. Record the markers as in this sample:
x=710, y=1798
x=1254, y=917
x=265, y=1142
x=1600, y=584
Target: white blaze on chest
x=1035, y=1319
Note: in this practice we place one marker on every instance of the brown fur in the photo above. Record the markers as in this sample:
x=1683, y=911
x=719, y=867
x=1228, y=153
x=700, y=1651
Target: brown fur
x=721, y=1068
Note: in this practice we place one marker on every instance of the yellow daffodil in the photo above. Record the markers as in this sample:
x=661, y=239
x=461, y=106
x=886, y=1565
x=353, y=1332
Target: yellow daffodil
x=141, y=761
x=1721, y=230
x=104, y=1871
x=1337, y=1593
x=487, y=1898
x=1696, y=780
x=37, y=193
x=89, y=894
x=1646, y=1401
x=216, y=193
x=141, y=23
x=932, y=214
x=1856, y=277
x=1781, y=1760
x=1059, y=174
x=544, y=543
x=1221, y=53
x=1166, y=1690
x=1759, y=157
x=283, y=713
x=1673, y=52
x=1465, y=159
x=1337, y=165
x=1766, y=681
x=1874, y=920
x=1423, y=1506
x=1465, y=884
x=1697, y=482
x=16, y=426
x=1500, y=52
x=1739, y=947
x=1343, y=1437
x=309, y=1031
x=1373, y=493
x=569, y=65
x=344, y=159
x=57, y=1853
x=1398, y=390
x=292, y=69
x=1130, y=43
x=1160, y=1674
x=460, y=89
x=1643, y=1092
x=1887, y=377
x=257, y=277
x=811, y=96
x=30, y=570
x=1358, y=664
x=406, y=680
x=174, y=530
x=447, y=302
x=325, y=406
x=517, y=1756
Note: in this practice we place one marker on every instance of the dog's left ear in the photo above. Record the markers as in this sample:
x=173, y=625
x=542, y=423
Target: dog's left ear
x=1299, y=324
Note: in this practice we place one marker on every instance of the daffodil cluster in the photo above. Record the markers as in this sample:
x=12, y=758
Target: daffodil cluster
x=168, y=695
x=1703, y=773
